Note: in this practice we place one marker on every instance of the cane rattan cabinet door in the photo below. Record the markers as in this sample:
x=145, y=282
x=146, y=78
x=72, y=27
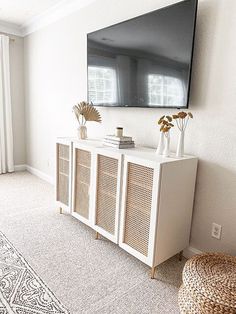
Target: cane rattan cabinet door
x=82, y=181
x=138, y=207
x=63, y=173
x=107, y=190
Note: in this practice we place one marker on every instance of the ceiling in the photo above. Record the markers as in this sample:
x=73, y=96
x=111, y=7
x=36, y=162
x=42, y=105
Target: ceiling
x=20, y=12
x=22, y=17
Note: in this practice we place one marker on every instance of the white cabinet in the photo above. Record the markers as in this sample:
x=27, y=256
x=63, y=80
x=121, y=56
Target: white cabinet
x=63, y=173
x=156, y=206
x=133, y=197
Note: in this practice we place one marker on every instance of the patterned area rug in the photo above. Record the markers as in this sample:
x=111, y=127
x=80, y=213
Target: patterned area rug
x=21, y=290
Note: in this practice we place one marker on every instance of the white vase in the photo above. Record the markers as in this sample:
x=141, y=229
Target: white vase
x=82, y=132
x=166, y=152
x=161, y=145
x=180, y=146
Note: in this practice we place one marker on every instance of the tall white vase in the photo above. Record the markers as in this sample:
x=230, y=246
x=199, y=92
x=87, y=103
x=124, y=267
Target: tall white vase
x=82, y=132
x=180, y=146
x=166, y=152
x=161, y=145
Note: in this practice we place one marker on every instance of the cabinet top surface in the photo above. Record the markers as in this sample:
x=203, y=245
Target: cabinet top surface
x=138, y=152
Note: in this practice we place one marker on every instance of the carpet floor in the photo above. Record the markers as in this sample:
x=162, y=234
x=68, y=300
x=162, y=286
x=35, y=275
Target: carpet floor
x=87, y=276
x=21, y=290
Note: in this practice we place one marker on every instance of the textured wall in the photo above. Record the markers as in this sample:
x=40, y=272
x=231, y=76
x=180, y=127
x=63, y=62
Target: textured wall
x=55, y=68
x=17, y=92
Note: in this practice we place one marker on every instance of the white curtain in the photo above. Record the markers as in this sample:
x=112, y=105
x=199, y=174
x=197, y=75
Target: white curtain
x=6, y=137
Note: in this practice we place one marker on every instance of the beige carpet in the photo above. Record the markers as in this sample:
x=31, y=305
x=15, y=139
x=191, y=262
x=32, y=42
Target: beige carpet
x=87, y=276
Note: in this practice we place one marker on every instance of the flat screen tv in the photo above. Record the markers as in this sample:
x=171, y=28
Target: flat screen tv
x=145, y=61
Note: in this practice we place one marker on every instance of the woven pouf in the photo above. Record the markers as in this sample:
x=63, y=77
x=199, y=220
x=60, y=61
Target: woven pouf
x=209, y=285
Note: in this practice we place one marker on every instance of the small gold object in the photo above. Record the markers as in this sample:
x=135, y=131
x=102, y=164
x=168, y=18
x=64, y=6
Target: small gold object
x=153, y=272
x=97, y=236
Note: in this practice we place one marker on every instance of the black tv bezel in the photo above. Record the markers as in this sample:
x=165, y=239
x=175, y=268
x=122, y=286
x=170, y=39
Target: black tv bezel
x=191, y=62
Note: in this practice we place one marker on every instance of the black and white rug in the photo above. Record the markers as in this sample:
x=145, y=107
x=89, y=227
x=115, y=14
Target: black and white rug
x=21, y=290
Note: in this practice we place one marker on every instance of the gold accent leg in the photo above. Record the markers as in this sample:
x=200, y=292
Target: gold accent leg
x=153, y=272
x=180, y=255
x=60, y=209
x=97, y=236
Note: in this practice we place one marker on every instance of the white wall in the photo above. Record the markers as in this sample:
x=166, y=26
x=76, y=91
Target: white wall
x=55, y=72
x=17, y=92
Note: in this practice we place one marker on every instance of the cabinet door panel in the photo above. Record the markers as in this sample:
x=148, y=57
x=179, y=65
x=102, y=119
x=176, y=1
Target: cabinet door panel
x=63, y=166
x=138, y=207
x=63, y=189
x=82, y=182
x=64, y=151
x=107, y=172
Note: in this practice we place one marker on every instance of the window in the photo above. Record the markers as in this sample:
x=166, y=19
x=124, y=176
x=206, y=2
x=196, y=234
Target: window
x=164, y=90
x=102, y=85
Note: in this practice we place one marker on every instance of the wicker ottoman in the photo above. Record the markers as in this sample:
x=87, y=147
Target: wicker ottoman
x=209, y=285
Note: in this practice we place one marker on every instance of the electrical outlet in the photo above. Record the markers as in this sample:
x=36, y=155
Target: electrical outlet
x=216, y=231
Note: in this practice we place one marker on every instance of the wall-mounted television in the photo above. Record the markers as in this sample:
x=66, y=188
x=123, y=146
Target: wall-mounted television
x=145, y=61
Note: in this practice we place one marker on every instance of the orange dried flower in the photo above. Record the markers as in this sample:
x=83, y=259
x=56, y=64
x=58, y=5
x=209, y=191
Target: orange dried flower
x=182, y=115
x=175, y=116
x=190, y=115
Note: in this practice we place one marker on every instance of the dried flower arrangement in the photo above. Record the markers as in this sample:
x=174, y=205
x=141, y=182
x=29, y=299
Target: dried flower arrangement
x=181, y=119
x=84, y=112
x=165, y=123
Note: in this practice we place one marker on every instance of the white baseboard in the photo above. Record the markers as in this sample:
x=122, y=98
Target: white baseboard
x=20, y=167
x=191, y=251
x=40, y=174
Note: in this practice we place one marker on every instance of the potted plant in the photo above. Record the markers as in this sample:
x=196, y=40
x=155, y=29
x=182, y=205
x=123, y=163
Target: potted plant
x=85, y=112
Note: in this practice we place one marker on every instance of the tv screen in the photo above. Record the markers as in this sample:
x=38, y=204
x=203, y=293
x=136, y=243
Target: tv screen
x=145, y=61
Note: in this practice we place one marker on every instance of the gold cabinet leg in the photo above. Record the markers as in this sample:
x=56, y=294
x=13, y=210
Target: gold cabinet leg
x=60, y=209
x=180, y=255
x=153, y=272
x=97, y=236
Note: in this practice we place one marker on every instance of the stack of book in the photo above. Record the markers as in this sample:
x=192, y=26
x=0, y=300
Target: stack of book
x=118, y=142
